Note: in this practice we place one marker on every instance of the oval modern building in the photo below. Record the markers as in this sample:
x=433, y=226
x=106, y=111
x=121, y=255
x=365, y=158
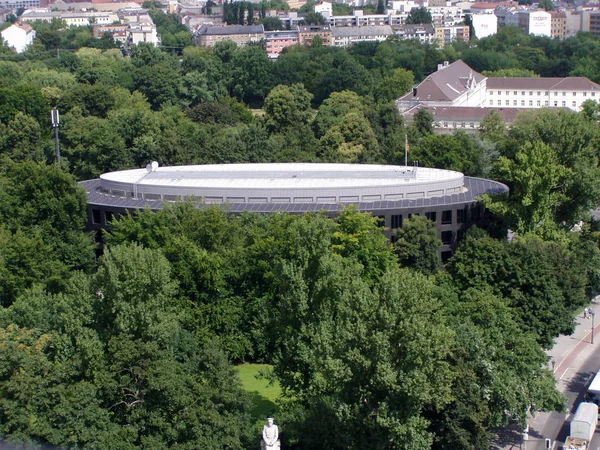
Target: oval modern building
x=392, y=193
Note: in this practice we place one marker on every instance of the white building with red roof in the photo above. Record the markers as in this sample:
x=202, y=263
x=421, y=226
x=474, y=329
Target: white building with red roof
x=453, y=85
x=19, y=36
x=568, y=92
x=457, y=85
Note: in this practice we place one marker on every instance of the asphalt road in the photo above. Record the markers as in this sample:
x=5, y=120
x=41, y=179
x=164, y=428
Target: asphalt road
x=573, y=383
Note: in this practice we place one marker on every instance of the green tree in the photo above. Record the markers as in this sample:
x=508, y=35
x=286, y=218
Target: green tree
x=423, y=122
x=492, y=127
x=21, y=139
x=417, y=245
x=534, y=178
x=288, y=106
x=572, y=139
x=313, y=18
x=419, y=15
x=511, y=72
x=351, y=140
x=336, y=107
x=548, y=5
x=272, y=23
x=252, y=74
x=394, y=85
x=345, y=355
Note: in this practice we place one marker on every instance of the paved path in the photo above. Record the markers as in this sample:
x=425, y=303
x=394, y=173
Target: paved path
x=573, y=356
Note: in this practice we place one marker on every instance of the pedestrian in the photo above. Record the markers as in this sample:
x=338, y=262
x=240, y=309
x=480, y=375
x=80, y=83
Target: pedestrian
x=553, y=362
x=585, y=313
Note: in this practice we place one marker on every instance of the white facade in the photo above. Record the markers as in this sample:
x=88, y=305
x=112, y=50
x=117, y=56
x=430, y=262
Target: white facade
x=18, y=36
x=538, y=23
x=325, y=9
x=346, y=36
x=71, y=19
x=562, y=95
x=143, y=32
x=404, y=6
x=484, y=25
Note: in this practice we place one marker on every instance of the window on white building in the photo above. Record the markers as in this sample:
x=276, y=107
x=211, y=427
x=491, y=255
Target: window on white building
x=491, y=92
x=564, y=103
x=499, y=92
x=530, y=92
x=515, y=92
x=539, y=103
x=539, y=93
x=574, y=104
x=546, y=103
x=555, y=94
x=514, y=103
x=593, y=94
x=574, y=94
x=507, y=92
x=555, y=103
x=564, y=94
x=522, y=102
x=472, y=125
x=585, y=94
x=507, y=102
x=530, y=102
x=491, y=102
x=522, y=92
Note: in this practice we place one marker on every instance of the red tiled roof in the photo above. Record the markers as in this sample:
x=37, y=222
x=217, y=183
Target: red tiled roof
x=24, y=26
x=446, y=84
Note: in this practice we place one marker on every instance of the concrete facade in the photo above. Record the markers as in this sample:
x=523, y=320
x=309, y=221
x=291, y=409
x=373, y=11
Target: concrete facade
x=18, y=36
x=393, y=193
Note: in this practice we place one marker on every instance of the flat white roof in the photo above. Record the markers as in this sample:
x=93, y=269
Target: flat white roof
x=281, y=176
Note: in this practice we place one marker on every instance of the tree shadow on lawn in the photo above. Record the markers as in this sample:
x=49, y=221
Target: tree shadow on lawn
x=262, y=406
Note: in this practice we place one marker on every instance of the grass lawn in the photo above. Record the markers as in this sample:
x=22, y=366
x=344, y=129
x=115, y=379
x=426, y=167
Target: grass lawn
x=264, y=394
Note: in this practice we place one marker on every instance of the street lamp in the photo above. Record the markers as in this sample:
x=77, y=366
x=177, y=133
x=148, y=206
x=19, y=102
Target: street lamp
x=593, y=314
x=55, y=124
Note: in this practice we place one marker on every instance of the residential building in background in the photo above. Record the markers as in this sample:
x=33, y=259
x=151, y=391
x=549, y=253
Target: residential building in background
x=20, y=4
x=346, y=36
x=484, y=25
x=424, y=32
x=242, y=35
x=558, y=24
x=306, y=34
x=18, y=36
x=448, y=34
x=276, y=41
x=119, y=32
x=72, y=19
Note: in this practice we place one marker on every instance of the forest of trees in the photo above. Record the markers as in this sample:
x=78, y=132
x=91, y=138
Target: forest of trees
x=375, y=345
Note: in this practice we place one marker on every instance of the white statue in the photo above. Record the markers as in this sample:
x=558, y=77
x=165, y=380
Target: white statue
x=270, y=436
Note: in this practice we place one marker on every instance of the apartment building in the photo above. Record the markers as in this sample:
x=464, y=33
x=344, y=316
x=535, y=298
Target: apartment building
x=346, y=36
x=242, y=35
x=276, y=41
x=306, y=34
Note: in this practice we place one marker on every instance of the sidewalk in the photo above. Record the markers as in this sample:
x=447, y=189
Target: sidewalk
x=569, y=353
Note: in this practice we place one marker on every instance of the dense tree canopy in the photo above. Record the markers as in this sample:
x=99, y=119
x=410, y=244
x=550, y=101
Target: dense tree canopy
x=378, y=342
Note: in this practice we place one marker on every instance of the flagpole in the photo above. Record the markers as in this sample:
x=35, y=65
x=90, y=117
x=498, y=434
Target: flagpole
x=406, y=150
